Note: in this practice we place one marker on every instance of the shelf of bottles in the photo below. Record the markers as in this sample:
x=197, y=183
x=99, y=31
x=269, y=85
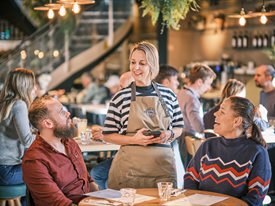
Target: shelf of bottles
x=253, y=40
x=9, y=31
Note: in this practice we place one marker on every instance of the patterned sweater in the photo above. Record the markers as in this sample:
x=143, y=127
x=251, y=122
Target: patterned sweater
x=237, y=167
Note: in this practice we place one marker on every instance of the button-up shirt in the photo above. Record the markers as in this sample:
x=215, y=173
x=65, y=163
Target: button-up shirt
x=54, y=178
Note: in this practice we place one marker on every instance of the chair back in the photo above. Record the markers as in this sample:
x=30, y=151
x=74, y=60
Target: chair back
x=192, y=144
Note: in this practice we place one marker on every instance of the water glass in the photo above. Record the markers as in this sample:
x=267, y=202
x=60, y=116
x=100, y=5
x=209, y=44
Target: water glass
x=165, y=189
x=86, y=137
x=81, y=126
x=128, y=196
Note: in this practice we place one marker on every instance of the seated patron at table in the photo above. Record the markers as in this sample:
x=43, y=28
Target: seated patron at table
x=236, y=163
x=233, y=87
x=142, y=160
x=15, y=134
x=53, y=167
x=168, y=77
x=200, y=79
x=199, y=82
x=263, y=79
x=92, y=91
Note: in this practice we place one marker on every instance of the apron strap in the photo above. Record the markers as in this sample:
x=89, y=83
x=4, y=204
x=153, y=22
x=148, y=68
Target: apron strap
x=133, y=91
x=133, y=97
x=161, y=100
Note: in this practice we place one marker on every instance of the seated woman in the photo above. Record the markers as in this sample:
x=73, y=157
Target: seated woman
x=236, y=163
x=15, y=133
x=233, y=87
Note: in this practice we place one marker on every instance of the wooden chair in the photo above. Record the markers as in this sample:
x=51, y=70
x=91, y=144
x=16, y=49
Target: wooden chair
x=192, y=144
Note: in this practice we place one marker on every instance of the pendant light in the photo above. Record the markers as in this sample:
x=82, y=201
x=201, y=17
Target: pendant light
x=263, y=18
x=61, y=5
x=242, y=20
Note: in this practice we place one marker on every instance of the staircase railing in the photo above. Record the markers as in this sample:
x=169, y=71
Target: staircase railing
x=48, y=49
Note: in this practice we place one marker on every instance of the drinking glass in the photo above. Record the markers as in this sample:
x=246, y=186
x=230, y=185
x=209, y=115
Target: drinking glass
x=86, y=137
x=128, y=196
x=81, y=126
x=165, y=189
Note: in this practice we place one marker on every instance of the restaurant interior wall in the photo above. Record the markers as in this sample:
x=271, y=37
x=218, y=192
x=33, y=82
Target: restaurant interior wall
x=189, y=46
x=207, y=36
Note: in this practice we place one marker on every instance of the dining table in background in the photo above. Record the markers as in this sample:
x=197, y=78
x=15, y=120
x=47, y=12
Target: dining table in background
x=269, y=135
x=97, y=146
x=153, y=192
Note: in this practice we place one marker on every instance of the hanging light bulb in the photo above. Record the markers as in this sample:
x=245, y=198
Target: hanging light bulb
x=62, y=11
x=40, y=55
x=263, y=18
x=50, y=14
x=76, y=8
x=55, y=53
x=23, y=54
x=242, y=20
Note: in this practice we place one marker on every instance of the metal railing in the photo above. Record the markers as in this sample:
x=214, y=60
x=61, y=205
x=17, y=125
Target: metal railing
x=53, y=44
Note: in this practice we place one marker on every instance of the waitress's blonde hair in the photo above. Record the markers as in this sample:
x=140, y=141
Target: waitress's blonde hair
x=18, y=85
x=152, y=56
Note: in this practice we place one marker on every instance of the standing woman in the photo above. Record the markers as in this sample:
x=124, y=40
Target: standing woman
x=142, y=160
x=236, y=163
x=15, y=135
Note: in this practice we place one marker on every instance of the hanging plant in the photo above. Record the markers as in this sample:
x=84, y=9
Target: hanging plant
x=171, y=11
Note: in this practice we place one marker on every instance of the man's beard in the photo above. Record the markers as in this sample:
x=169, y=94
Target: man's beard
x=63, y=132
x=259, y=85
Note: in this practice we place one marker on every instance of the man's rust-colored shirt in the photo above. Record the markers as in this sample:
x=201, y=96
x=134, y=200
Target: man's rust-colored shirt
x=52, y=177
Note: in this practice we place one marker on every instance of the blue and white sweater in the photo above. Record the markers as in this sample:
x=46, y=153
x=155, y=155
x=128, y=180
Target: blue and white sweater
x=238, y=167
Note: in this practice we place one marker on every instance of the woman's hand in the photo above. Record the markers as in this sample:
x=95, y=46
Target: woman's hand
x=97, y=133
x=140, y=139
x=163, y=138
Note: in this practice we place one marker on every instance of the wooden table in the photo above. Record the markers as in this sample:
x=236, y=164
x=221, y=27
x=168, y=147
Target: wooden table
x=92, y=108
x=230, y=201
x=96, y=146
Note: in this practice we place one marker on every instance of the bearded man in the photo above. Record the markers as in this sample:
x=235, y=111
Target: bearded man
x=53, y=167
x=263, y=78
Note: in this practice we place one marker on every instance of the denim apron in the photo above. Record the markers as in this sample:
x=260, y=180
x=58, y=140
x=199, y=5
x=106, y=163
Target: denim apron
x=139, y=166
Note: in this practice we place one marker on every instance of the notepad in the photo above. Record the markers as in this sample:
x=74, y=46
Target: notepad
x=115, y=195
x=106, y=194
x=196, y=199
